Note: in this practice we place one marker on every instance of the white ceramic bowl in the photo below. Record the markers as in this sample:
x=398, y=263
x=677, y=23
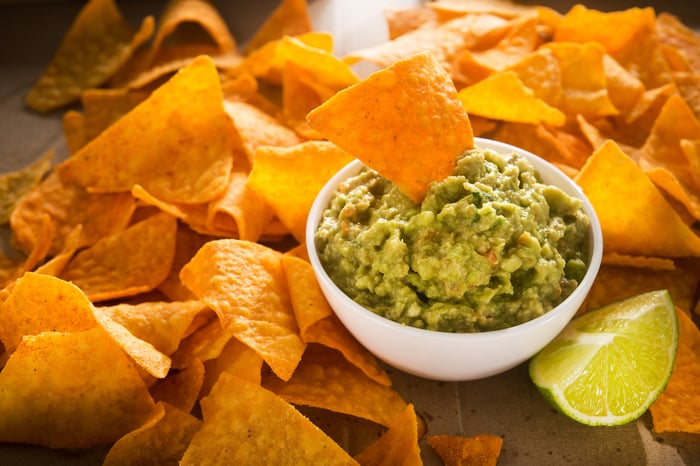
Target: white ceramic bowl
x=455, y=356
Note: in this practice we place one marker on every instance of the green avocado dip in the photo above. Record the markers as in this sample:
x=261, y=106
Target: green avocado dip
x=490, y=246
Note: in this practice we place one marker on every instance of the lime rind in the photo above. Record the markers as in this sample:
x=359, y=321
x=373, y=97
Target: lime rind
x=609, y=365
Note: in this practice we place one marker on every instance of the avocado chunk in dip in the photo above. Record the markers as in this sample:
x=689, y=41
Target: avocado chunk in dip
x=489, y=247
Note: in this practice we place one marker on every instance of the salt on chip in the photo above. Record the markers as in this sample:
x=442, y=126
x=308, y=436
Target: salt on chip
x=502, y=96
x=454, y=450
x=397, y=445
x=98, y=42
x=162, y=439
x=40, y=303
x=378, y=121
x=314, y=384
x=176, y=144
x=243, y=282
x=70, y=390
x=677, y=409
x=247, y=424
x=133, y=261
x=289, y=178
x=610, y=175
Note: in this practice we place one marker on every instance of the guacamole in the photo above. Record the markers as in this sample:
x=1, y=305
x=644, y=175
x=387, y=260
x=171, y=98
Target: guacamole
x=489, y=247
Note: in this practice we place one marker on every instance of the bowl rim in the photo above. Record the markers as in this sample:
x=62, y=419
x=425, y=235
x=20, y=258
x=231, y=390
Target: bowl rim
x=563, y=181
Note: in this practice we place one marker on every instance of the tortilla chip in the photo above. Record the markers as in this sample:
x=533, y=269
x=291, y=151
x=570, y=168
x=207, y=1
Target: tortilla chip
x=236, y=359
x=176, y=144
x=502, y=8
x=15, y=184
x=243, y=205
x=180, y=388
x=502, y=96
x=162, y=439
x=98, y=42
x=377, y=121
x=289, y=178
x=256, y=128
x=616, y=282
x=289, y=18
x=662, y=156
x=677, y=409
x=244, y=284
x=245, y=424
x=400, y=20
x=124, y=264
x=83, y=391
x=162, y=324
x=178, y=14
x=40, y=303
x=610, y=175
x=318, y=324
x=523, y=37
x=398, y=445
x=358, y=395
x=479, y=450
x=69, y=206
x=634, y=45
x=444, y=41
x=143, y=353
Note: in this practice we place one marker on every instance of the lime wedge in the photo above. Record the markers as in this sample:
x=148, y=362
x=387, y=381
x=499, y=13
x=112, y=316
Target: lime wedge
x=609, y=365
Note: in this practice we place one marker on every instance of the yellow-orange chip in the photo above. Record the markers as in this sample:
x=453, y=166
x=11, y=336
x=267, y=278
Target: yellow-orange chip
x=358, y=395
x=378, y=121
x=236, y=359
x=69, y=206
x=318, y=324
x=289, y=178
x=502, y=96
x=610, y=175
x=290, y=18
x=162, y=439
x=40, y=303
x=247, y=424
x=180, y=388
x=98, y=42
x=443, y=41
x=143, y=353
x=256, y=128
x=677, y=409
x=674, y=169
x=479, y=450
x=162, y=324
x=244, y=284
x=126, y=263
x=176, y=144
x=83, y=391
x=398, y=445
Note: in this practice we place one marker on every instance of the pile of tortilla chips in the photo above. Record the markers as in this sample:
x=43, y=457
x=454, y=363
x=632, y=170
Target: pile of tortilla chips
x=161, y=302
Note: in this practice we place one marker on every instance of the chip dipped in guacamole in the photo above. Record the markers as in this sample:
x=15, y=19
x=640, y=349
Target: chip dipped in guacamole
x=489, y=247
